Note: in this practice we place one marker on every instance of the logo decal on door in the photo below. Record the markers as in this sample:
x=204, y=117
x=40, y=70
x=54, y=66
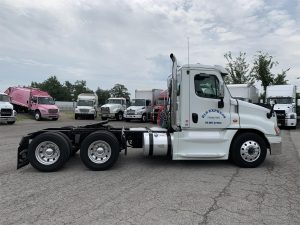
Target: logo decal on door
x=213, y=111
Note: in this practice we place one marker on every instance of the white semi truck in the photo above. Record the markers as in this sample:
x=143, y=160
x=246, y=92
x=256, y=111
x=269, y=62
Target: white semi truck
x=204, y=123
x=7, y=112
x=285, y=107
x=114, y=108
x=86, y=107
x=245, y=92
x=141, y=107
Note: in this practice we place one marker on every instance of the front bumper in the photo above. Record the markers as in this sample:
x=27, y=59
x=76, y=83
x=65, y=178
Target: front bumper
x=275, y=145
x=108, y=115
x=50, y=116
x=133, y=116
x=7, y=118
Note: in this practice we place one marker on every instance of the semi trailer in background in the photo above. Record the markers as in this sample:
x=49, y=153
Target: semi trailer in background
x=245, y=92
x=33, y=100
x=86, y=106
x=284, y=98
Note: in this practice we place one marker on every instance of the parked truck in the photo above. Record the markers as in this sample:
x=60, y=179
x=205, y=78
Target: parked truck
x=86, y=106
x=7, y=113
x=141, y=107
x=114, y=109
x=205, y=123
x=33, y=100
x=245, y=92
x=159, y=106
x=285, y=98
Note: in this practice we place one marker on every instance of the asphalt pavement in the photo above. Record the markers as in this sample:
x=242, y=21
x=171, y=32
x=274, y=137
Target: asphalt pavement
x=143, y=190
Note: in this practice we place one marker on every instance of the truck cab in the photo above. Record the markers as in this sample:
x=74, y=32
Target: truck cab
x=86, y=106
x=43, y=106
x=114, y=108
x=7, y=113
x=160, y=104
x=139, y=109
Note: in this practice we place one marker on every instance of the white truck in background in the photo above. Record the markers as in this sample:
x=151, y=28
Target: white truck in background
x=113, y=109
x=86, y=106
x=7, y=112
x=244, y=92
x=141, y=107
x=284, y=97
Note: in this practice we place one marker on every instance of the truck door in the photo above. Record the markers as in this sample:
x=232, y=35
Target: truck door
x=204, y=98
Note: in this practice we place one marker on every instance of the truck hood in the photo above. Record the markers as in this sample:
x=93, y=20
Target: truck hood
x=84, y=107
x=112, y=106
x=255, y=117
x=6, y=105
x=136, y=108
x=285, y=107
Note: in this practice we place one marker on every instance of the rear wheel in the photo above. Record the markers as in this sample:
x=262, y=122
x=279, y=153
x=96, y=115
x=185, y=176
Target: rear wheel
x=48, y=152
x=248, y=150
x=99, y=150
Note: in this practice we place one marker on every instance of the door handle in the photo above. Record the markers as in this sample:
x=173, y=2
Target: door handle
x=195, y=117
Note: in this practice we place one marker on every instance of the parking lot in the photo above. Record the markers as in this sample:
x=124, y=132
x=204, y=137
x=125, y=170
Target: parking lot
x=141, y=190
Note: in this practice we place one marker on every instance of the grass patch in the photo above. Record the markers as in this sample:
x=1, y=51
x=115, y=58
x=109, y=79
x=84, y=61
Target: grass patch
x=24, y=116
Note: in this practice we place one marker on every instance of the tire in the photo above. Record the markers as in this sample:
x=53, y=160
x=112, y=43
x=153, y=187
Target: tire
x=103, y=118
x=119, y=116
x=144, y=118
x=40, y=159
x=70, y=146
x=248, y=150
x=11, y=122
x=37, y=115
x=108, y=146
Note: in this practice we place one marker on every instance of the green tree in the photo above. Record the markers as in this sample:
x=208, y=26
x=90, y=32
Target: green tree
x=103, y=95
x=261, y=71
x=281, y=78
x=237, y=68
x=80, y=87
x=119, y=90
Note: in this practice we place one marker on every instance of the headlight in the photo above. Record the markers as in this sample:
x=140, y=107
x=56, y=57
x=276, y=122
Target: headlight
x=15, y=113
x=139, y=112
x=76, y=110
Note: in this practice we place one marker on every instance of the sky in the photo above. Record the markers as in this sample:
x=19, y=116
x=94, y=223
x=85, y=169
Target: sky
x=129, y=42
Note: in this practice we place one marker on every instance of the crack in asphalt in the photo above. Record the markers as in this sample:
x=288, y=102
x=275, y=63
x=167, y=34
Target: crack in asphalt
x=215, y=206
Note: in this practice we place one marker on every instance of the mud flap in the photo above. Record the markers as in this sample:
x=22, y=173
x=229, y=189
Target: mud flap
x=23, y=152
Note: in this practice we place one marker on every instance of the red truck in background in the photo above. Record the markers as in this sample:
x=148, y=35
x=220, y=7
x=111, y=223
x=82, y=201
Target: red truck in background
x=33, y=100
x=159, y=106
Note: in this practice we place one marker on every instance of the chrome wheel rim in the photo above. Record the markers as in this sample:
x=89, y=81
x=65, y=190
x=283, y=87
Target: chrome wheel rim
x=47, y=153
x=99, y=152
x=250, y=151
x=37, y=116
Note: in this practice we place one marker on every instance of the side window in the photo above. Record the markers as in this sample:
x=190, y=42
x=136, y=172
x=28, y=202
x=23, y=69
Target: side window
x=34, y=99
x=206, y=85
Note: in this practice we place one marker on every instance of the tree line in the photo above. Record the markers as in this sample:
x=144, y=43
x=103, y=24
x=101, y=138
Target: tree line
x=239, y=71
x=68, y=91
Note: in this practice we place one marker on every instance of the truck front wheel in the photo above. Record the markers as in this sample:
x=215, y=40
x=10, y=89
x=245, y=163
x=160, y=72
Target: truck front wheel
x=47, y=152
x=37, y=115
x=119, y=116
x=248, y=150
x=144, y=118
x=99, y=150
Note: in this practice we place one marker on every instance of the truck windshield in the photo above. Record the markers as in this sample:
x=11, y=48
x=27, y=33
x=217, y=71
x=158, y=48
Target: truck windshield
x=286, y=100
x=114, y=101
x=85, y=103
x=4, y=98
x=45, y=101
x=161, y=101
x=138, y=102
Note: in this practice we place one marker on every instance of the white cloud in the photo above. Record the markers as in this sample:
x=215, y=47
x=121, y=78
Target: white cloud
x=108, y=42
